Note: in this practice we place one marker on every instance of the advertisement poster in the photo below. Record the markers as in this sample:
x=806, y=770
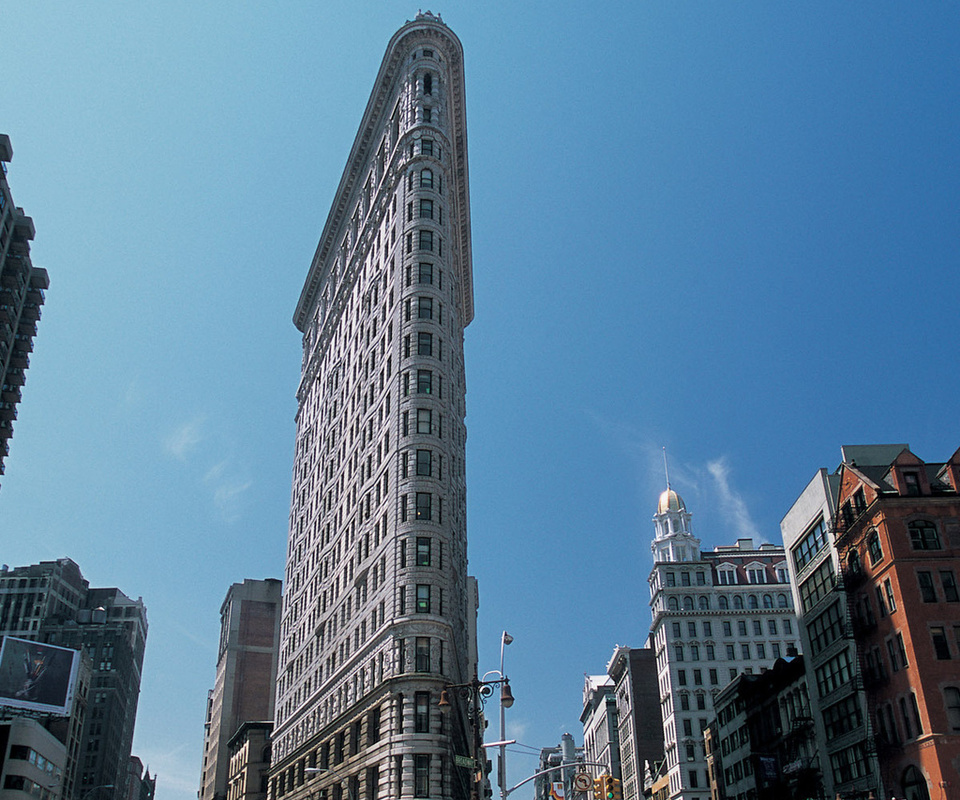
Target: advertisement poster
x=37, y=677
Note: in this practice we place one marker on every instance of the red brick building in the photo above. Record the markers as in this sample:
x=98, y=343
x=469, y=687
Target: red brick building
x=898, y=537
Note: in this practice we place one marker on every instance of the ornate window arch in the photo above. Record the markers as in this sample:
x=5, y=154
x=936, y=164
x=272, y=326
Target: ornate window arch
x=752, y=601
x=723, y=602
x=782, y=601
x=768, y=601
x=688, y=603
x=673, y=604
x=703, y=602
x=874, y=550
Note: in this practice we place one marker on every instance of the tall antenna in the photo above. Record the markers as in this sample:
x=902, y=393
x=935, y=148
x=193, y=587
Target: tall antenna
x=665, y=473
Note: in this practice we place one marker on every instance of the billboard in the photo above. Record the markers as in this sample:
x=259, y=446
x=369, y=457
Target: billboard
x=37, y=677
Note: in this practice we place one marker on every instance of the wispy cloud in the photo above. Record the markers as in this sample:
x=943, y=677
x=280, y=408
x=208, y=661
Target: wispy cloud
x=228, y=489
x=183, y=440
x=732, y=504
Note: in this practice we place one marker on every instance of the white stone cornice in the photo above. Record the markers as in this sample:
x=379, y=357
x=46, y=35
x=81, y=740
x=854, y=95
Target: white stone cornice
x=424, y=29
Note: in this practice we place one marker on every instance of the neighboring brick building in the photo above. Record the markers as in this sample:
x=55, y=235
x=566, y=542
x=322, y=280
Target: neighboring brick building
x=762, y=744
x=898, y=536
x=639, y=727
x=246, y=676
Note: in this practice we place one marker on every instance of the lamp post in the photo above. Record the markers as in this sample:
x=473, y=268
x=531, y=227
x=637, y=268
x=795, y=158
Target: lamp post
x=475, y=694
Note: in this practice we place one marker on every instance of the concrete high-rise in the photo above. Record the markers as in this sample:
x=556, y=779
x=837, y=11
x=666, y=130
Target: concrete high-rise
x=378, y=610
x=51, y=602
x=715, y=614
x=246, y=675
x=21, y=295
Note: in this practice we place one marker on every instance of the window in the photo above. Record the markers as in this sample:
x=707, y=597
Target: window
x=902, y=650
x=874, y=551
x=772, y=627
x=428, y=78
x=688, y=603
x=707, y=628
x=424, y=463
x=424, y=506
x=949, y=582
x=713, y=677
x=757, y=628
x=426, y=179
x=684, y=578
x=742, y=627
x=671, y=579
x=421, y=775
x=425, y=273
x=688, y=727
x=682, y=677
x=676, y=630
x=924, y=536
x=678, y=652
x=723, y=603
x=752, y=601
x=731, y=652
x=403, y=508
x=692, y=629
x=888, y=591
x=817, y=585
x=767, y=601
x=424, y=344
x=727, y=628
x=701, y=579
x=423, y=598
x=421, y=717
x=423, y=551
x=424, y=381
x=927, y=592
x=738, y=603
x=703, y=603
x=951, y=697
x=424, y=420
x=426, y=145
x=940, y=646
x=911, y=481
x=427, y=117
x=425, y=307
x=698, y=677
x=811, y=544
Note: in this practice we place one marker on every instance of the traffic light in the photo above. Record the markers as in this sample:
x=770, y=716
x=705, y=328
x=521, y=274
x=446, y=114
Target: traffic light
x=617, y=789
x=608, y=787
x=598, y=789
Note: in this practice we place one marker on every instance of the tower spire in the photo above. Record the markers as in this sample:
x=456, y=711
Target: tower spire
x=665, y=473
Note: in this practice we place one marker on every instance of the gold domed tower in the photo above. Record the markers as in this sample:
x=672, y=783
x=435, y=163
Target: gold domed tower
x=674, y=540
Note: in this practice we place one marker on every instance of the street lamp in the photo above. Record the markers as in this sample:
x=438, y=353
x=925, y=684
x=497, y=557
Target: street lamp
x=476, y=694
x=89, y=792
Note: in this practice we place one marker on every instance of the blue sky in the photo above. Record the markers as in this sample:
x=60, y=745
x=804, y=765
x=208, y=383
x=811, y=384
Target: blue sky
x=726, y=229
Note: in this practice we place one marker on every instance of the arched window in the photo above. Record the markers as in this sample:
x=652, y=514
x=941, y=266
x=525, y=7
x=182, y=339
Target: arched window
x=723, y=603
x=426, y=179
x=738, y=602
x=688, y=603
x=781, y=601
x=853, y=562
x=704, y=602
x=951, y=696
x=923, y=535
x=672, y=604
x=752, y=601
x=914, y=786
x=767, y=601
x=874, y=551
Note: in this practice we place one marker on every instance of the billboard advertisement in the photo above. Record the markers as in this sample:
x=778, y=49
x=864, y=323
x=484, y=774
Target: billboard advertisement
x=37, y=677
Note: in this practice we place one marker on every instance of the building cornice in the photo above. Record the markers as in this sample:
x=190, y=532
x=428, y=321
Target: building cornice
x=424, y=28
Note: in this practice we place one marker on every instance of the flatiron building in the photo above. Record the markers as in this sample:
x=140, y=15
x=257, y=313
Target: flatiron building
x=378, y=611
